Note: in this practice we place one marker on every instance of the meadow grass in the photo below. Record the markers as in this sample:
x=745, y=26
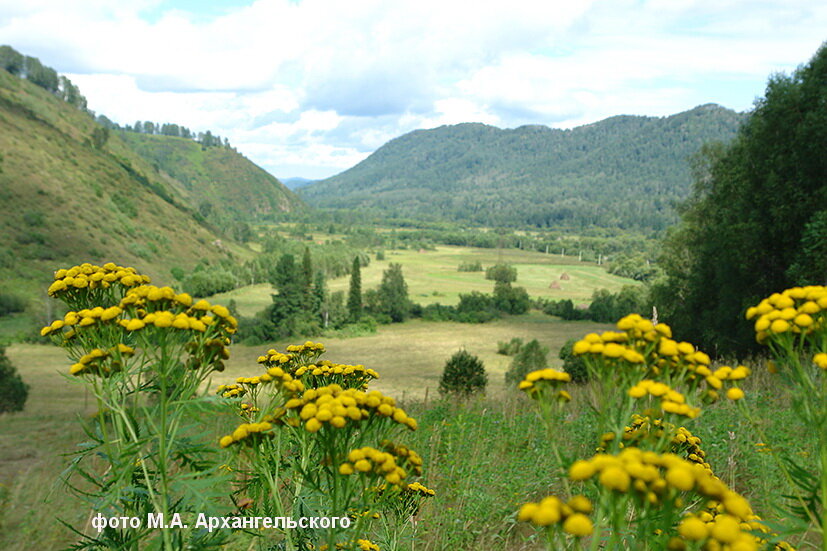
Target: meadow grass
x=484, y=456
x=432, y=277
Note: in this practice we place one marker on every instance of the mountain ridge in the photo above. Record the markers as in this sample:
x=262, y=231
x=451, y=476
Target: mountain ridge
x=470, y=172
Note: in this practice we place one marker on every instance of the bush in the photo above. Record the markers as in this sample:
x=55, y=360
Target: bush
x=531, y=357
x=13, y=391
x=209, y=282
x=509, y=348
x=573, y=365
x=10, y=304
x=475, y=307
x=607, y=307
x=563, y=308
x=511, y=300
x=470, y=266
x=438, y=312
x=501, y=273
x=464, y=374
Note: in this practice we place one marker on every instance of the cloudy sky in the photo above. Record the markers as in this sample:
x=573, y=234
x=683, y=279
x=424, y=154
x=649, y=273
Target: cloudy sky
x=309, y=88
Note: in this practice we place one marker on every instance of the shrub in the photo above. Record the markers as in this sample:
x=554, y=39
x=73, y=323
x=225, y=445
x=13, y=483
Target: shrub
x=470, y=266
x=11, y=303
x=511, y=300
x=475, y=307
x=531, y=357
x=573, y=365
x=463, y=374
x=501, y=273
x=13, y=391
x=509, y=348
x=209, y=282
x=438, y=312
x=563, y=308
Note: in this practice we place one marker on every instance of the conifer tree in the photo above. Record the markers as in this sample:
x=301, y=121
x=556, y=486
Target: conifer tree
x=354, y=297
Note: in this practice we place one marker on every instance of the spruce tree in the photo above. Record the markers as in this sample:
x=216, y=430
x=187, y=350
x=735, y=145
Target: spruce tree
x=354, y=297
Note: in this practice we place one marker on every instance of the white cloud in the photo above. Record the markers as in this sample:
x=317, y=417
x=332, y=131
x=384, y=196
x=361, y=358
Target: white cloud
x=322, y=81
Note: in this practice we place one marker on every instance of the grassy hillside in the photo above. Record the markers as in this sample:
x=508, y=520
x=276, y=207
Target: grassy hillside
x=65, y=199
x=214, y=180
x=622, y=172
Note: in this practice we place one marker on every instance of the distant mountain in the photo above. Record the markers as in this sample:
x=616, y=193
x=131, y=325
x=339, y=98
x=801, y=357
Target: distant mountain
x=624, y=172
x=296, y=183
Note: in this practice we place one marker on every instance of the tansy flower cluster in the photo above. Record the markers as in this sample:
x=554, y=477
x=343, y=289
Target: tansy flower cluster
x=671, y=401
x=412, y=458
x=296, y=356
x=309, y=347
x=274, y=358
x=722, y=532
x=101, y=362
x=797, y=311
x=682, y=442
x=159, y=298
x=418, y=489
x=654, y=478
x=82, y=318
x=278, y=376
x=161, y=306
x=231, y=391
x=642, y=347
x=72, y=283
x=552, y=512
x=248, y=433
x=820, y=360
x=335, y=407
x=357, y=545
x=327, y=372
x=370, y=461
x=538, y=384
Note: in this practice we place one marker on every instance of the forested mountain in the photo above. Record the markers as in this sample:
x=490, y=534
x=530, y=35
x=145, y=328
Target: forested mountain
x=625, y=171
x=71, y=190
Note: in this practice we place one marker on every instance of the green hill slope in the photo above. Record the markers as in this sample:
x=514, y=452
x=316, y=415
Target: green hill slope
x=66, y=198
x=213, y=180
x=625, y=171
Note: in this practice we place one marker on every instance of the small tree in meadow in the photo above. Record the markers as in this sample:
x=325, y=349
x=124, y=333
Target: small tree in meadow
x=531, y=357
x=393, y=294
x=572, y=364
x=13, y=391
x=463, y=374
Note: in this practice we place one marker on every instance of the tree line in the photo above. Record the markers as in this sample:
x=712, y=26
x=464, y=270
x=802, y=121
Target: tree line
x=756, y=221
x=31, y=69
x=206, y=139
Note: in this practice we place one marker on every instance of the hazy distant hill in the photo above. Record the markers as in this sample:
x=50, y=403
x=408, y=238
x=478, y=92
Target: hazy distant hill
x=296, y=183
x=624, y=171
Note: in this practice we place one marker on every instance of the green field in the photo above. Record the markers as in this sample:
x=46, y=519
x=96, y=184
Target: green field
x=409, y=358
x=432, y=276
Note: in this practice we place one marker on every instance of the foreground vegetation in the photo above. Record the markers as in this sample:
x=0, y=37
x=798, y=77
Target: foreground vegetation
x=485, y=457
